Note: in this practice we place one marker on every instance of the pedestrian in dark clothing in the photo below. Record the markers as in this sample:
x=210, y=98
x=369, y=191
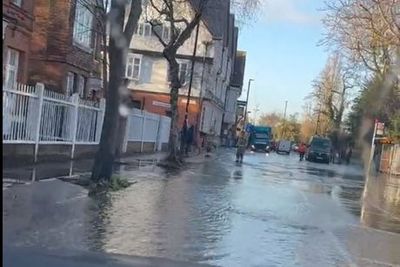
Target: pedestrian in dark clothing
x=184, y=137
x=189, y=139
x=348, y=155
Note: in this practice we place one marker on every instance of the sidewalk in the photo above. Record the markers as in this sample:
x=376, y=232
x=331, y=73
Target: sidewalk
x=47, y=170
x=53, y=170
x=37, y=257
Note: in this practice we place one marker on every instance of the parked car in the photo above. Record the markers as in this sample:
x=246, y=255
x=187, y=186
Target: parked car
x=284, y=146
x=295, y=147
x=319, y=149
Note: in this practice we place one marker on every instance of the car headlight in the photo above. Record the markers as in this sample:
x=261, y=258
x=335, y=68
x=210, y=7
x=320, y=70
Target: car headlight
x=267, y=147
x=253, y=147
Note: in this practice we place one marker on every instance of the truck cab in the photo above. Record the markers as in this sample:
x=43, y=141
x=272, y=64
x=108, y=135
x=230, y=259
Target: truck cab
x=260, y=137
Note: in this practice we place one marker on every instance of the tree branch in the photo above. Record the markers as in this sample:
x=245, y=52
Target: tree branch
x=133, y=18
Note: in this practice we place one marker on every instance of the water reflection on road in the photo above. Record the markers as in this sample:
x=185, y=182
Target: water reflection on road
x=272, y=210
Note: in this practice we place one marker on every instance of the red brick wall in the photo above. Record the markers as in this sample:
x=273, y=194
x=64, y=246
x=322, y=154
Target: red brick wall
x=146, y=99
x=53, y=53
x=18, y=33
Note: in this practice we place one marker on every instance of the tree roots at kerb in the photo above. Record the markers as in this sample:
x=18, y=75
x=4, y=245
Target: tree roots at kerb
x=172, y=162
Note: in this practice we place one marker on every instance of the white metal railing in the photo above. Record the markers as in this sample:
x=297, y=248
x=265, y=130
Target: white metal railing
x=146, y=127
x=17, y=116
x=33, y=115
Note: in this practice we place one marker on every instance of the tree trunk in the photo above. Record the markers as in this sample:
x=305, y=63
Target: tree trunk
x=105, y=60
x=121, y=136
x=103, y=166
x=174, y=95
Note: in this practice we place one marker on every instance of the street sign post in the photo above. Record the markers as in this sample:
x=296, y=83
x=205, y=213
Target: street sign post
x=379, y=130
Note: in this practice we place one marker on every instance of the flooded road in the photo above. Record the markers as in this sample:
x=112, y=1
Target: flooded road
x=270, y=211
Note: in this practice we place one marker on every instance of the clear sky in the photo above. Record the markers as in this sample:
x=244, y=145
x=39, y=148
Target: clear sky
x=282, y=54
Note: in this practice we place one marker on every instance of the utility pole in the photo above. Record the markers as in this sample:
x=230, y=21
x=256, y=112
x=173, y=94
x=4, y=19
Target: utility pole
x=284, y=115
x=284, y=121
x=185, y=122
x=247, y=100
x=318, y=120
x=192, y=71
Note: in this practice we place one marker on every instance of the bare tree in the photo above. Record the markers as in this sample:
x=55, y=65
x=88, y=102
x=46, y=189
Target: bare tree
x=182, y=17
x=366, y=31
x=120, y=35
x=331, y=92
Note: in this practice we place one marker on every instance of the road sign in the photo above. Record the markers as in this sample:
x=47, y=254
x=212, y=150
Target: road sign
x=380, y=128
x=249, y=128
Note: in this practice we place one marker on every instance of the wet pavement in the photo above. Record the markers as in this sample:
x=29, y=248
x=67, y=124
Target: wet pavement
x=269, y=211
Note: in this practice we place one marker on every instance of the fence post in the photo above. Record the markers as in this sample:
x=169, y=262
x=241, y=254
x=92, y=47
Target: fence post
x=100, y=120
x=40, y=92
x=126, y=135
x=391, y=160
x=74, y=128
x=158, y=133
x=143, y=129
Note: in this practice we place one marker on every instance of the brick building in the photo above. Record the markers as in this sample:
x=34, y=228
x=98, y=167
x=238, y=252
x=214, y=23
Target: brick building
x=65, y=50
x=17, y=33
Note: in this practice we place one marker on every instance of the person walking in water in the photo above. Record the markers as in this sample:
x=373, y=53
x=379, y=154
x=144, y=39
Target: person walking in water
x=302, y=151
x=348, y=155
x=241, y=147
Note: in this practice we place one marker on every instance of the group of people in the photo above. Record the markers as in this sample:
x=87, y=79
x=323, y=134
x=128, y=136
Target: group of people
x=342, y=154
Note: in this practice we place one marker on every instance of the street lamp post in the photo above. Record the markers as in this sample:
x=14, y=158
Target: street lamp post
x=284, y=121
x=247, y=99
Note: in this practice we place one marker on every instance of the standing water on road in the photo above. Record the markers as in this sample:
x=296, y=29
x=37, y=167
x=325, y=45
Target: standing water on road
x=270, y=211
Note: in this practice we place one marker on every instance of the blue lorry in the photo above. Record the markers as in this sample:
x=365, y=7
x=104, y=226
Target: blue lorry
x=260, y=138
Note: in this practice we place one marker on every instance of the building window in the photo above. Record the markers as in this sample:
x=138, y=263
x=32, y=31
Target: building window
x=139, y=30
x=145, y=29
x=70, y=83
x=133, y=66
x=166, y=34
x=81, y=86
x=183, y=72
x=16, y=2
x=83, y=25
x=11, y=68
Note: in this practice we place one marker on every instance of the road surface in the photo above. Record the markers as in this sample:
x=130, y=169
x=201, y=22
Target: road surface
x=272, y=210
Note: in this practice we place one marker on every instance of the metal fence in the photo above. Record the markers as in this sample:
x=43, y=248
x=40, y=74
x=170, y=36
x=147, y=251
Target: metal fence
x=34, y=115
x=146, y=127
x=390, y=159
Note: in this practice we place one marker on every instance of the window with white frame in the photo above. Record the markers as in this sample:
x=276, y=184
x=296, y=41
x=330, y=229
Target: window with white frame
x=145, y=29
x=11, y=67
x=133, y=65
x=183, y=72
x=83, y=25
x=166, y=33
x=139, y=29
x=70, y=83
x=17, y=2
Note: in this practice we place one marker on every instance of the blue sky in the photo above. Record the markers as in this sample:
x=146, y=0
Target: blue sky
x=282, y=54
